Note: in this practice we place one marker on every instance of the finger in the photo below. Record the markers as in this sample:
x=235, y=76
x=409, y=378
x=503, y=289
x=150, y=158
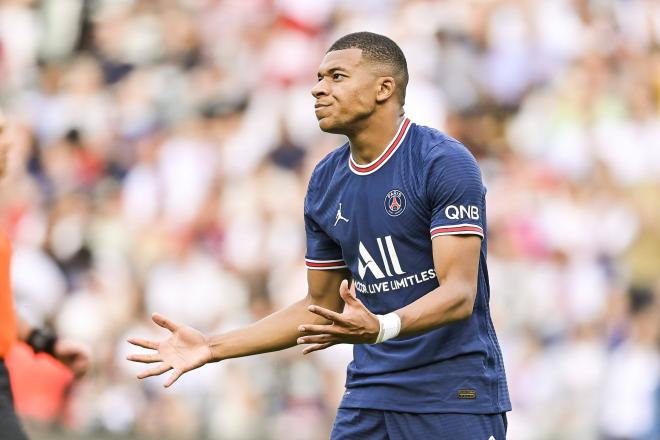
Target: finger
x=317, y=347
x=327, y=314
x=346, y=294
x=173, y=377
x=145, y=358
x=162, y=368
x=312, y=329
x=72, y=351
x=81, y=367
x=316, y=339
x=164, y=322
x=144, y=343
x=63, y=351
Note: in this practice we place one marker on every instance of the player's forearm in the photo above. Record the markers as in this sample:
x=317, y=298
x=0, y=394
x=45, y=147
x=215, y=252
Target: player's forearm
x=275, y=332
x=451, y=302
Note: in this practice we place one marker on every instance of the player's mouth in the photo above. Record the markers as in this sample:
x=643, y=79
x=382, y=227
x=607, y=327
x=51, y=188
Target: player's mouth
x=320, y=108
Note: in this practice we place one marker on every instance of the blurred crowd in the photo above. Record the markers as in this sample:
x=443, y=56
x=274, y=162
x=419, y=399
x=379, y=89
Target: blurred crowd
x=160, y=155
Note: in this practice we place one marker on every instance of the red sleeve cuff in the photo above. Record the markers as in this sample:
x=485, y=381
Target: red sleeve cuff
x=325, y=264
x=463, y=229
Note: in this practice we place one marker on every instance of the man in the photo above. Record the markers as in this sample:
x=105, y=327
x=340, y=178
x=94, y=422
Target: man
x=12, y=327
x=400, y=209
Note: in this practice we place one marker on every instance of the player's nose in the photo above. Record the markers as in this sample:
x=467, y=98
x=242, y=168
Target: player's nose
x=319, y=89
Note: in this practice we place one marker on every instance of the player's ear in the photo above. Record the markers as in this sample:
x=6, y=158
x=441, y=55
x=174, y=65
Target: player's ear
x=386, y=87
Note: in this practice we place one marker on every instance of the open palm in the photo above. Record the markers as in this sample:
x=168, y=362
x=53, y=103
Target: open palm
x=185, y=350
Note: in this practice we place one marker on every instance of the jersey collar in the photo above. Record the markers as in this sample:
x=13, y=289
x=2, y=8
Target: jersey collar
x=363, y=170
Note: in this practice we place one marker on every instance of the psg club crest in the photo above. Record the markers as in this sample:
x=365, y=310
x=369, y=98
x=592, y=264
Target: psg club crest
x=395, y=202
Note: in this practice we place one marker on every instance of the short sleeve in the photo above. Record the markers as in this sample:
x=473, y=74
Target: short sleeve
x=455, y=191
x=322, y=252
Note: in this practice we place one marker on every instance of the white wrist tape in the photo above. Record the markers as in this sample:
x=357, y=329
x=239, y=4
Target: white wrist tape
x=390, y=326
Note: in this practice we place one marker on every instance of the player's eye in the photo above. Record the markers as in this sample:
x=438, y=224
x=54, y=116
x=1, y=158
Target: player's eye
x=337, y=76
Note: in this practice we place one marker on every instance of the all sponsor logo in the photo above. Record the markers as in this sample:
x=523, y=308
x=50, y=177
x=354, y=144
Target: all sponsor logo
x=387, y=271
x=367, y=262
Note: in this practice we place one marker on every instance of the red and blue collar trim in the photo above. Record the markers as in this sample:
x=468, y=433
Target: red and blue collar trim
x=377, y=163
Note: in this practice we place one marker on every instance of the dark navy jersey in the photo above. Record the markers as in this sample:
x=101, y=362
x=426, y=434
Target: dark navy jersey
x=379, y=220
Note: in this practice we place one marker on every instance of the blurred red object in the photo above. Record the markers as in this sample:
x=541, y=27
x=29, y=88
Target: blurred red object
x=39, y=383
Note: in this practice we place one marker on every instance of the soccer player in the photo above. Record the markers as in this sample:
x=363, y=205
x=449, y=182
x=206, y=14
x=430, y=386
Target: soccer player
x=12, y=327
x=400, y=210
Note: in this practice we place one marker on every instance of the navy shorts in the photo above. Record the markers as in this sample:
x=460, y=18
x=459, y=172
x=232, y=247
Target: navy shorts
x=369, y=424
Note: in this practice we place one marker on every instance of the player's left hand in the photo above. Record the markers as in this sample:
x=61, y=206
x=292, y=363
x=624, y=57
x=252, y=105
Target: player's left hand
x=355, y=325
x=74, y=355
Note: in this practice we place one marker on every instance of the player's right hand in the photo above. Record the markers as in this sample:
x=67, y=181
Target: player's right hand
x=185, y=350
x=354, y=325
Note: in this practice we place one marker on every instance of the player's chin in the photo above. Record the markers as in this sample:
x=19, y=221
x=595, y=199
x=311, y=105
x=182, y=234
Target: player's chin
x=329, y=125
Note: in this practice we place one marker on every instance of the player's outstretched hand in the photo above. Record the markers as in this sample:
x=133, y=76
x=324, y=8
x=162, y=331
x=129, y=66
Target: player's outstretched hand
x=355, y=325
x=185, y=350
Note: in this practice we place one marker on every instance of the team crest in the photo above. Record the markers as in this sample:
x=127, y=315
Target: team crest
x=395, y=202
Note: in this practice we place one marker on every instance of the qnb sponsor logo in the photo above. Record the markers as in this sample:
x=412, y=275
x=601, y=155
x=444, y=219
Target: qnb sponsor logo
x=388, y=256
x=459, y=212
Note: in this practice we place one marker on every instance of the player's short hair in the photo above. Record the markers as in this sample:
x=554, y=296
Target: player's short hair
x=378, y=49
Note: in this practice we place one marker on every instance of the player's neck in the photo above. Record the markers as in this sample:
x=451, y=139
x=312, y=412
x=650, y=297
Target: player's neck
x=370, y=141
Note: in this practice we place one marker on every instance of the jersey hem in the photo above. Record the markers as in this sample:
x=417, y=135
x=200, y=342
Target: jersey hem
x=417, y=408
